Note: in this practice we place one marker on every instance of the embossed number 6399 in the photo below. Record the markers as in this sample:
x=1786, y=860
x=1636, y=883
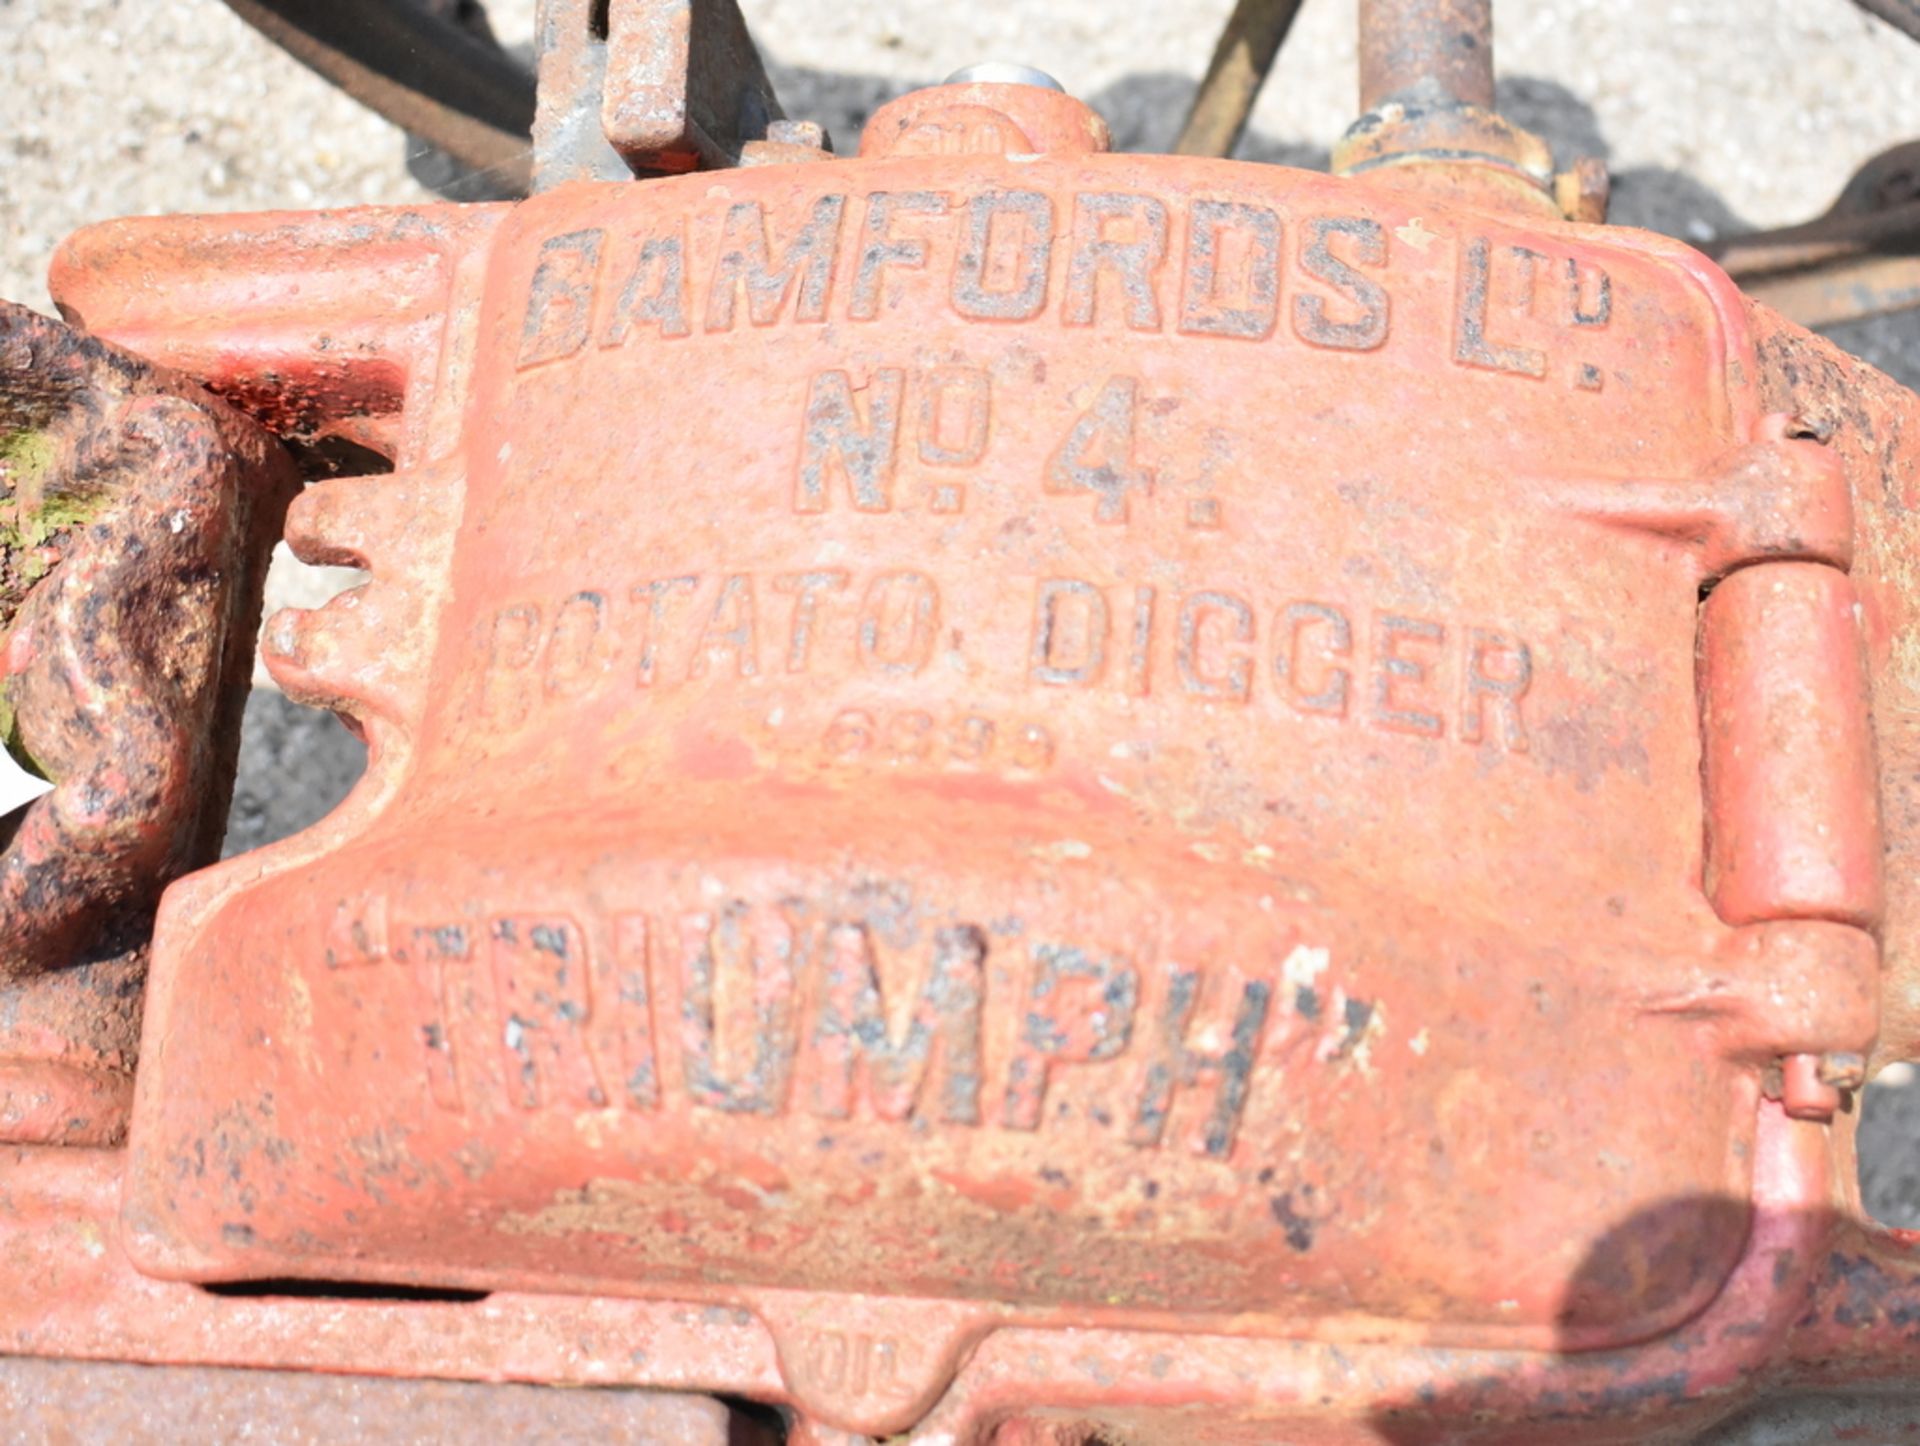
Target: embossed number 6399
x=911, y=736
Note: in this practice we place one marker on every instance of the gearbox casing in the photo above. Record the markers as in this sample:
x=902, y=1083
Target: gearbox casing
x=975, y=746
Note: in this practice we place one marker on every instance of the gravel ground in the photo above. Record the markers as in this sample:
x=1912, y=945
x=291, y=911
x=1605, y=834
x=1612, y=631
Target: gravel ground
x=1715, y=115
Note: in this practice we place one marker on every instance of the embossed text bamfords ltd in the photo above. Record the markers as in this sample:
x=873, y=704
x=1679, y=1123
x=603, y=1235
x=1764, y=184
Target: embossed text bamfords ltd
x=1201, y=267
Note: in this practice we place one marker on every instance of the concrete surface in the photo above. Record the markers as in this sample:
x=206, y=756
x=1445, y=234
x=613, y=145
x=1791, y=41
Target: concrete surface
x=1715, y=115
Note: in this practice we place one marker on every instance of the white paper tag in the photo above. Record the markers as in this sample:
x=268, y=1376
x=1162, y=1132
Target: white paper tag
x=18, y=788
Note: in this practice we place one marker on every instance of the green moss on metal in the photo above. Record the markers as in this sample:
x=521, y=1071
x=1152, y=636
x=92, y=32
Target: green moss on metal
x=31, y=515
x=24, y=454
x=24, y=530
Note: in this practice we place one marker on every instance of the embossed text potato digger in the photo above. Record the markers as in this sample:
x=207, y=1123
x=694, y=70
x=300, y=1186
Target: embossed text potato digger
x=1017, y=795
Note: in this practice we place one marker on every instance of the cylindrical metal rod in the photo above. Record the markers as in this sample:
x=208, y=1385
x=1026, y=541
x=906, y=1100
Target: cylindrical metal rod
x=425, y=72
x=1436, y=51
x=1241, y=60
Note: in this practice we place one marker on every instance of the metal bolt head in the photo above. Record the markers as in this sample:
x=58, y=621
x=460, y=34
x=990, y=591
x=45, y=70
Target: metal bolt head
x=1581, y=191
x=985, y=110
x=1803, y=1094
x=1004, y=72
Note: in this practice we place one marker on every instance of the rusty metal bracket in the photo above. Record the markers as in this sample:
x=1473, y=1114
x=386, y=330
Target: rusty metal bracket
x=652, y=87
x=685, y=86
x=134, y=526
